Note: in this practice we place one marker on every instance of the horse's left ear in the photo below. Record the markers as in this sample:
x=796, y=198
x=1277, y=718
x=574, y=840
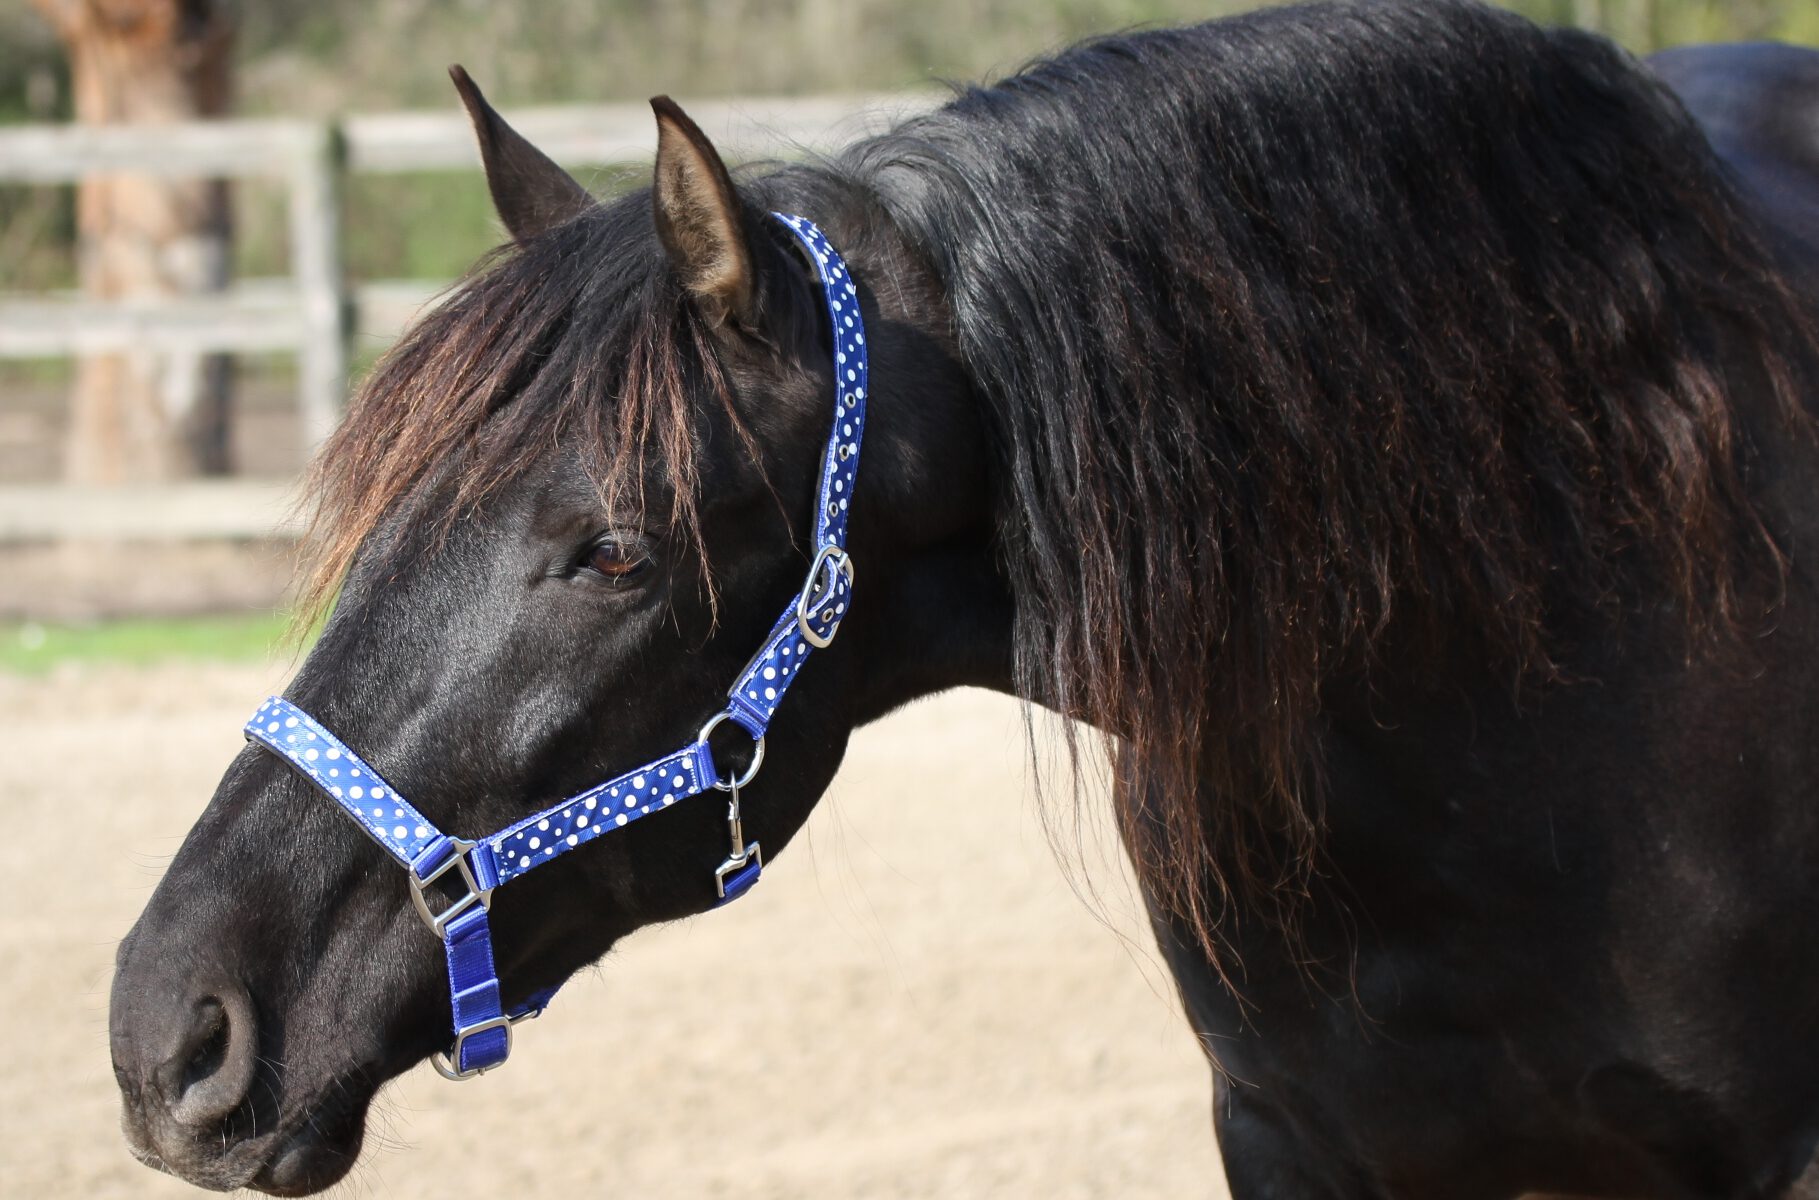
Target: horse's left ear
x=530, y=191
x=699, y=220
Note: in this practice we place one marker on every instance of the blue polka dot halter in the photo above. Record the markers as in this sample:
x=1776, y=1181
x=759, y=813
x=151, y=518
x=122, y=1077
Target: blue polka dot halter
x=482, y=1026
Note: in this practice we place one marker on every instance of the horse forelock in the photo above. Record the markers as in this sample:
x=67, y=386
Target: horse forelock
x=580, y=338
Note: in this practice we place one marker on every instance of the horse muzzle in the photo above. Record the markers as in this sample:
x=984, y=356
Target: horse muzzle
x=198, y=1099
x=185, y=1050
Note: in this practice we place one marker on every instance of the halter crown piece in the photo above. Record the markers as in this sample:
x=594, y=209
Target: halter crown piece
x=482, y=1026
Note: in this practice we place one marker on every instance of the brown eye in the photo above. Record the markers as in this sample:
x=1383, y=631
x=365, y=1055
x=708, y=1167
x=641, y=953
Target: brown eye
x=618, y=558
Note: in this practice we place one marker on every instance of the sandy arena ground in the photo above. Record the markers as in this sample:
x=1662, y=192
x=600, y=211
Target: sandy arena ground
x=914, y=1003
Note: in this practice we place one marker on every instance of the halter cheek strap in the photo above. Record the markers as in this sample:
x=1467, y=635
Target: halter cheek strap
x=437, y=862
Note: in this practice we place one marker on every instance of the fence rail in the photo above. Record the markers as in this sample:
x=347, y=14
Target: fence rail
x=604, y=134
x=65, y=153
x=314, y=312
x=236, y=509
x=243, y=319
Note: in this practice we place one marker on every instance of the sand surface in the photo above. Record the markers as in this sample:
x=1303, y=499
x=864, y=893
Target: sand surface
x=914, y=1003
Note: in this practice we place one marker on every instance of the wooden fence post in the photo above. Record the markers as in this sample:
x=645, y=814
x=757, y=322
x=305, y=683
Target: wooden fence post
x=312, y=311
x=315, y=228
x=143, y=416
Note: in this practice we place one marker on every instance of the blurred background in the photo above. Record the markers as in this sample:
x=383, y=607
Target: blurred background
x=183, y=309
x=214, y=216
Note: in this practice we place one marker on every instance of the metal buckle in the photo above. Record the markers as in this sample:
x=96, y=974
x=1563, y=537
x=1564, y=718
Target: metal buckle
x=751, y=768
x=438, y=922
x=744, y=852
x=448, y=1062
x=750, y=854
x=842, y=563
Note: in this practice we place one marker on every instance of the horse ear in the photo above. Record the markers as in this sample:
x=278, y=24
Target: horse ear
x=699, y=219
x=530, y=191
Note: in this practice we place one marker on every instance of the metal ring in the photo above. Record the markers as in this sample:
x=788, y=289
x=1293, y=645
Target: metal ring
x=751, y=769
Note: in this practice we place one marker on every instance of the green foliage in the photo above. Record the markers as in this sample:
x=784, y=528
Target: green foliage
x=524, y=52
x=1646, y=25
x=375, y=55
x=33, y=74
x=37, y=231
x=426, y=225
x=31, y=648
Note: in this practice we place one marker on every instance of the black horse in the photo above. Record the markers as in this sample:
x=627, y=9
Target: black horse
x=1388, y=425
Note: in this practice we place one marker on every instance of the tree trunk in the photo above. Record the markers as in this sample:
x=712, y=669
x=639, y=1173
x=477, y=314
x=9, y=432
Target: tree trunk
x=144, y=416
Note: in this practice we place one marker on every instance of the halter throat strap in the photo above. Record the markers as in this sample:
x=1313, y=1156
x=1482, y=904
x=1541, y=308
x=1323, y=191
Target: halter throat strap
x=437, y=862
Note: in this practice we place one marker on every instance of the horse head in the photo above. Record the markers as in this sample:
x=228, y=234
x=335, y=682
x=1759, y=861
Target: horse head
x=557, y=522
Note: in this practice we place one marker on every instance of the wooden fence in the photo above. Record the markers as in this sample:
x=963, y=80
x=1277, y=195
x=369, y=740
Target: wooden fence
x=313, y=312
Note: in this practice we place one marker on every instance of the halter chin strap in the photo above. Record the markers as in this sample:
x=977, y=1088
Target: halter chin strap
x=435, y=860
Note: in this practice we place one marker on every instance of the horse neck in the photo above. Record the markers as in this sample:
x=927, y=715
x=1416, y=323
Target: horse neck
x=936, y=608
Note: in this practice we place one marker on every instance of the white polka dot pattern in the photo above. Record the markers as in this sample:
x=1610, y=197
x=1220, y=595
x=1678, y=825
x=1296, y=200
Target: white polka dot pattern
x=810, y=620
x=753, y=700
x=602, y=808
x=321, y=757
x=395, y=824
x=404, y=832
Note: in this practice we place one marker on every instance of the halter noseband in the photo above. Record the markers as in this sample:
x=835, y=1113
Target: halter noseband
x=482, y=1026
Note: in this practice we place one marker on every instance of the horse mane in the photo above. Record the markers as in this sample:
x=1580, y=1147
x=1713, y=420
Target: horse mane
x=1299, y=333
x=582, y=337
x=1306, y=327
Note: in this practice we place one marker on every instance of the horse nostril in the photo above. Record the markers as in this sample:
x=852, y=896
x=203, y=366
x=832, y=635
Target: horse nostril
x=209, y=1073
x=212, y=1023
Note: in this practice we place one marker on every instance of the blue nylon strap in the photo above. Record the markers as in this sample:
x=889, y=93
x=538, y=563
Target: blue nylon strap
x=754, y=697
x=343, y=776
x=840, y=461
x=610, y=805
x=812, y=618
x=407, y=835
x=740, y=882
x=473, y=989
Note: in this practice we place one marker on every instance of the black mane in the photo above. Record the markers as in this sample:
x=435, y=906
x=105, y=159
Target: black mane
x=1420, y=311
x=1415, y=308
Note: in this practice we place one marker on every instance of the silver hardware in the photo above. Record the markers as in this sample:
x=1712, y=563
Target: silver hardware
x=448, y=1062
x=744, y=852
x=751, y=854
x=833, y=510
x=751, y=768
x=852, y=401
x=842, y=564
x=845, y=451
x=438, y=922
x=735, y=826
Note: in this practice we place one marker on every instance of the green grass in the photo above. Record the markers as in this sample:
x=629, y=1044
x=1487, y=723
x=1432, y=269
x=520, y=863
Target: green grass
x=32, y=648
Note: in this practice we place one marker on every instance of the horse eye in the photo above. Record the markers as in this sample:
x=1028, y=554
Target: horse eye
x=618, y=557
